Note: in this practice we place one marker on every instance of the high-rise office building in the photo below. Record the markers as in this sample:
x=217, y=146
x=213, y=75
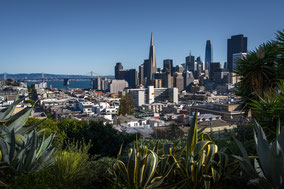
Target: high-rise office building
x=221, y=76
x=236, y=58
x=167, y=80
x=150, y=66
x=199, y=64
x=178, y=81
x=131, y=78
x=117, y=85
x=237, y=44
x=190, y=63
x=215, y=66
x=168, y=66
x=128, y=75
x=117, y=68
x=234, y=78
x=97, y=84
x=141, y=75
x=188, y=79
x=178, y=68
x=208, y=54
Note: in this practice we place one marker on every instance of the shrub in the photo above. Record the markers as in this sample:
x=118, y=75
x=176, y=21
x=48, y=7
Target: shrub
x=71, y=168
x=101, y=172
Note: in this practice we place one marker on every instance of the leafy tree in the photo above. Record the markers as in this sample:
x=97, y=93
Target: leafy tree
x=49, y=127
x=105, y=140
x=126, y=105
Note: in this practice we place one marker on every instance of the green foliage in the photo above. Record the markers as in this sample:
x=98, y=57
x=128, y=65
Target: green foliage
x=105, y=140
x=48, y=127
x=20, y=149
x=260, y=71
x=243, y=133
x=257, y=72
x=36, y=180
x=268, y=169
x=194, y=163
x=32, y=155
x=71, y=169
x=171, y=132
x=32, y=102
x=73, y=129
x=141, y=169
x=101, y=172
x=153, y=144
x=126, y=106
x=280, y=42
x=199, y=163
x=6, y=113
x=269, y=109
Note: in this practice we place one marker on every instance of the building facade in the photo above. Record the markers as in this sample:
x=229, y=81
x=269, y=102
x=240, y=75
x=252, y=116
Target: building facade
x=236, y=44
x=208, y=54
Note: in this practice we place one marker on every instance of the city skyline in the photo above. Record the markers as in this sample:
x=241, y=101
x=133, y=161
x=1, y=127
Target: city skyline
x=75, y=38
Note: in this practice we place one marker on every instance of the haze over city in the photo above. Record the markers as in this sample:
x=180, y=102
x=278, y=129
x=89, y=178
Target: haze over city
x=76, y=37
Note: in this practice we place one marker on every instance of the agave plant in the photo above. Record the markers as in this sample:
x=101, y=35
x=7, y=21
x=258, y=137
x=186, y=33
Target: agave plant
x=20, y=149
x=268, y=169
x=199, y=163
x=141, y=169
x=5, y=114
x=16, y=122
x=32, y=155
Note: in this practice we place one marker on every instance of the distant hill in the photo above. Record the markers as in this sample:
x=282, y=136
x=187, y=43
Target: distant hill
x=47, y=76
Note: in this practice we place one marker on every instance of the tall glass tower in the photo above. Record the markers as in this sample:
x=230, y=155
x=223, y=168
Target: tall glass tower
x=237, y=44
x=208, y=54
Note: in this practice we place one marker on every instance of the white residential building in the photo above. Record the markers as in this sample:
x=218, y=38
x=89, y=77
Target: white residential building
x=84, y=105
x=152, y=95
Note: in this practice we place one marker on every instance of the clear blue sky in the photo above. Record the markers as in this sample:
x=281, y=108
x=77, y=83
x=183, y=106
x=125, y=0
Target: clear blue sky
x=76, y=37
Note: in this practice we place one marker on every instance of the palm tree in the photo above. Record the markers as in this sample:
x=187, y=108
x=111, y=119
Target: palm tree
x=280, y=42
x=258, y=73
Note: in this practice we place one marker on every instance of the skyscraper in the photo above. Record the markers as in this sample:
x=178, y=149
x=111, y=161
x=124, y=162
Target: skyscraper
x=237, y=44
x=129, y=75
x=141, y=74
x=190, y=62
x=215, y=66
x=168, y=66
x=208, y=54
x=188, y=79
x=117, y=68
x=131, y=78
x=151, y=63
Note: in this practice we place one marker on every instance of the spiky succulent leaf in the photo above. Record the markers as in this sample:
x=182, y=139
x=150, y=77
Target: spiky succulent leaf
x=262, y=149
x=192, y=137
x=276, y=165
x=5, y=114
x=5, y=149
x=24, y=130
x=18, y=120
